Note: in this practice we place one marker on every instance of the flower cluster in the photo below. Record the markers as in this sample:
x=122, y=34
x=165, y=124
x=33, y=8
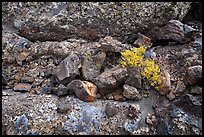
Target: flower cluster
x=135, y=58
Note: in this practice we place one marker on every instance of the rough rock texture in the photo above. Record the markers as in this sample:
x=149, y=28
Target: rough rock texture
x=67, y=70
x=92, y=63
x=194, y=75
x=22, y=87
x=131, y=92
x=89, y=20
x=109, y=80
x=84, y=90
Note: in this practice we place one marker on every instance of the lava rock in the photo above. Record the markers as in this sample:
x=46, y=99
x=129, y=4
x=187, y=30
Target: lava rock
x=61, y=20
x=134, y=78
x=110, y=110
x=109, y=80
x=84, y=90
x=173, y=31
x=92, y=63
x=26, y=79
x=67, y=70
x=194, y=75
x=109, y=44
x=131, y=92
x=61, y=91
x=24, y=87
x=196, y=90
x=180, y=88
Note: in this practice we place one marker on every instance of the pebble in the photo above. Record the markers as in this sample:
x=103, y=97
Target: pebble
x=194, y=75
x=131, y=92
x=62, y=90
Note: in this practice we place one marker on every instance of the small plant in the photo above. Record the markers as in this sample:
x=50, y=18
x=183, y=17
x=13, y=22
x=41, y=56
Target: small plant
x=147, y=67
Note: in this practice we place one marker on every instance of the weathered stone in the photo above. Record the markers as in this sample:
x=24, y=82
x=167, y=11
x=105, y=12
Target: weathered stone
x=24, y=87
x=165, y=87
x=26, y=79
x=134, y=78
x=109, y=44
x=92, y=63
x=63, y=108
x=143, y=40
x=131, y=92
x=180, y=88
x=171, y=96
x=61, y=91
x=110, y=110
x=109, y=80
x=67, y=70
x=196, y=90
x=173, y=31
x=61, y=20
x=194, y=75
x=84, y=90
x=33, y=72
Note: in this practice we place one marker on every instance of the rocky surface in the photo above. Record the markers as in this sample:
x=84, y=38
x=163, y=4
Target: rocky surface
x=61, y=74
x=60, y=20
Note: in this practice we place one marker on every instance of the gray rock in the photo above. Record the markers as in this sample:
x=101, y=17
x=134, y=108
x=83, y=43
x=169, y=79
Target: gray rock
x=180, y=88
x=24, y=87
x=45, y=90
x=111, y=110
x=63, y=108
x=109, y=80
x=131, y=92
x=62, y=20
x=61, y=91
x=150, y=119
x=196, y=90
x=134, y=78
x=194, y=75
x=109, y=44
x=67, y=70
x=92, y=63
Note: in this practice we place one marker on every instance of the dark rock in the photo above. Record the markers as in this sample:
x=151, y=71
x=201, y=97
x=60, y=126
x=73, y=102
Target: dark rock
x=109, y=44
x=84, y=90
x=60, y=21
x=109, y=80
x=62, y=90
x=26, y=79
x=173, y=31
x=92, y=63
x=180, y=88
x=24, y=87
x=131, y=92
x=110, y=110
x=196, y=90
x=194, y=75
x=134, y=78
x=4, y=81
x=45, y=90
x=67, y=70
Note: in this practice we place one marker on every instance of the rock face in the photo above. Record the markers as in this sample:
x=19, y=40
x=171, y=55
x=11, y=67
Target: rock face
x=109, y=80
x=84, y=90
x=194, y=75
x=92, y=63
x=67, y=70
x=61, y=20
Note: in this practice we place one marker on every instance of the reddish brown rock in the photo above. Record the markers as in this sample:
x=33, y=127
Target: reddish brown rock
x=84, y=90
x=194, y=75
x=165, y=87
x=22, y=87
